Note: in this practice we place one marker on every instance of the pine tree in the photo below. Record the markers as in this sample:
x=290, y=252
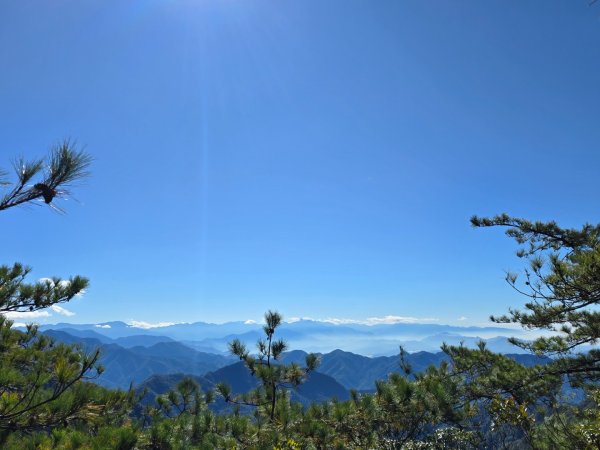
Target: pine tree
x=274, y=377
x=41, y=386
x=562, y=284
x=35, y=181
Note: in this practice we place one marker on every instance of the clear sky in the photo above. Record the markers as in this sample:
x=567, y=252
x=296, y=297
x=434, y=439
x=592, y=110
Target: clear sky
x=321, y=158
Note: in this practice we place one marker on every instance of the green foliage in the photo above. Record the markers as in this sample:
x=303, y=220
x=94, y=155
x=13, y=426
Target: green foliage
x=109, y=437
x=44, y=399
x=486, y=375
x=18, y=296
x=562, y=284
x=181, y=419
x=402, y=414
x=34, y=374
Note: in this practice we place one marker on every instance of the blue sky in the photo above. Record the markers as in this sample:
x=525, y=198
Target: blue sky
x=321, y=158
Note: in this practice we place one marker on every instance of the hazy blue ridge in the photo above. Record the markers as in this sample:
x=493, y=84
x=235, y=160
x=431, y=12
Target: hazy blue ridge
x=126, y=366
x=135, y=365
x=315, y=336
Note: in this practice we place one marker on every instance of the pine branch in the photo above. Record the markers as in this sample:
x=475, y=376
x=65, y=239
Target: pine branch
x=63, y=168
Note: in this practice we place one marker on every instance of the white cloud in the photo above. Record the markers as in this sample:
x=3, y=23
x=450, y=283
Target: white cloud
x=147, y=325
x=62, y=311
x=388, y=320
x=250, y=322
x=19, y=325
x=462, y=318
x=385, y=320
x=12, y=315
x=103, y=326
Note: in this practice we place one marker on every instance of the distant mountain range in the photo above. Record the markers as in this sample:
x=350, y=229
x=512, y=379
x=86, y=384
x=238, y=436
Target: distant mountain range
x=133, y=364
x=309, y=335
x=157, y=358
x=158, y=363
